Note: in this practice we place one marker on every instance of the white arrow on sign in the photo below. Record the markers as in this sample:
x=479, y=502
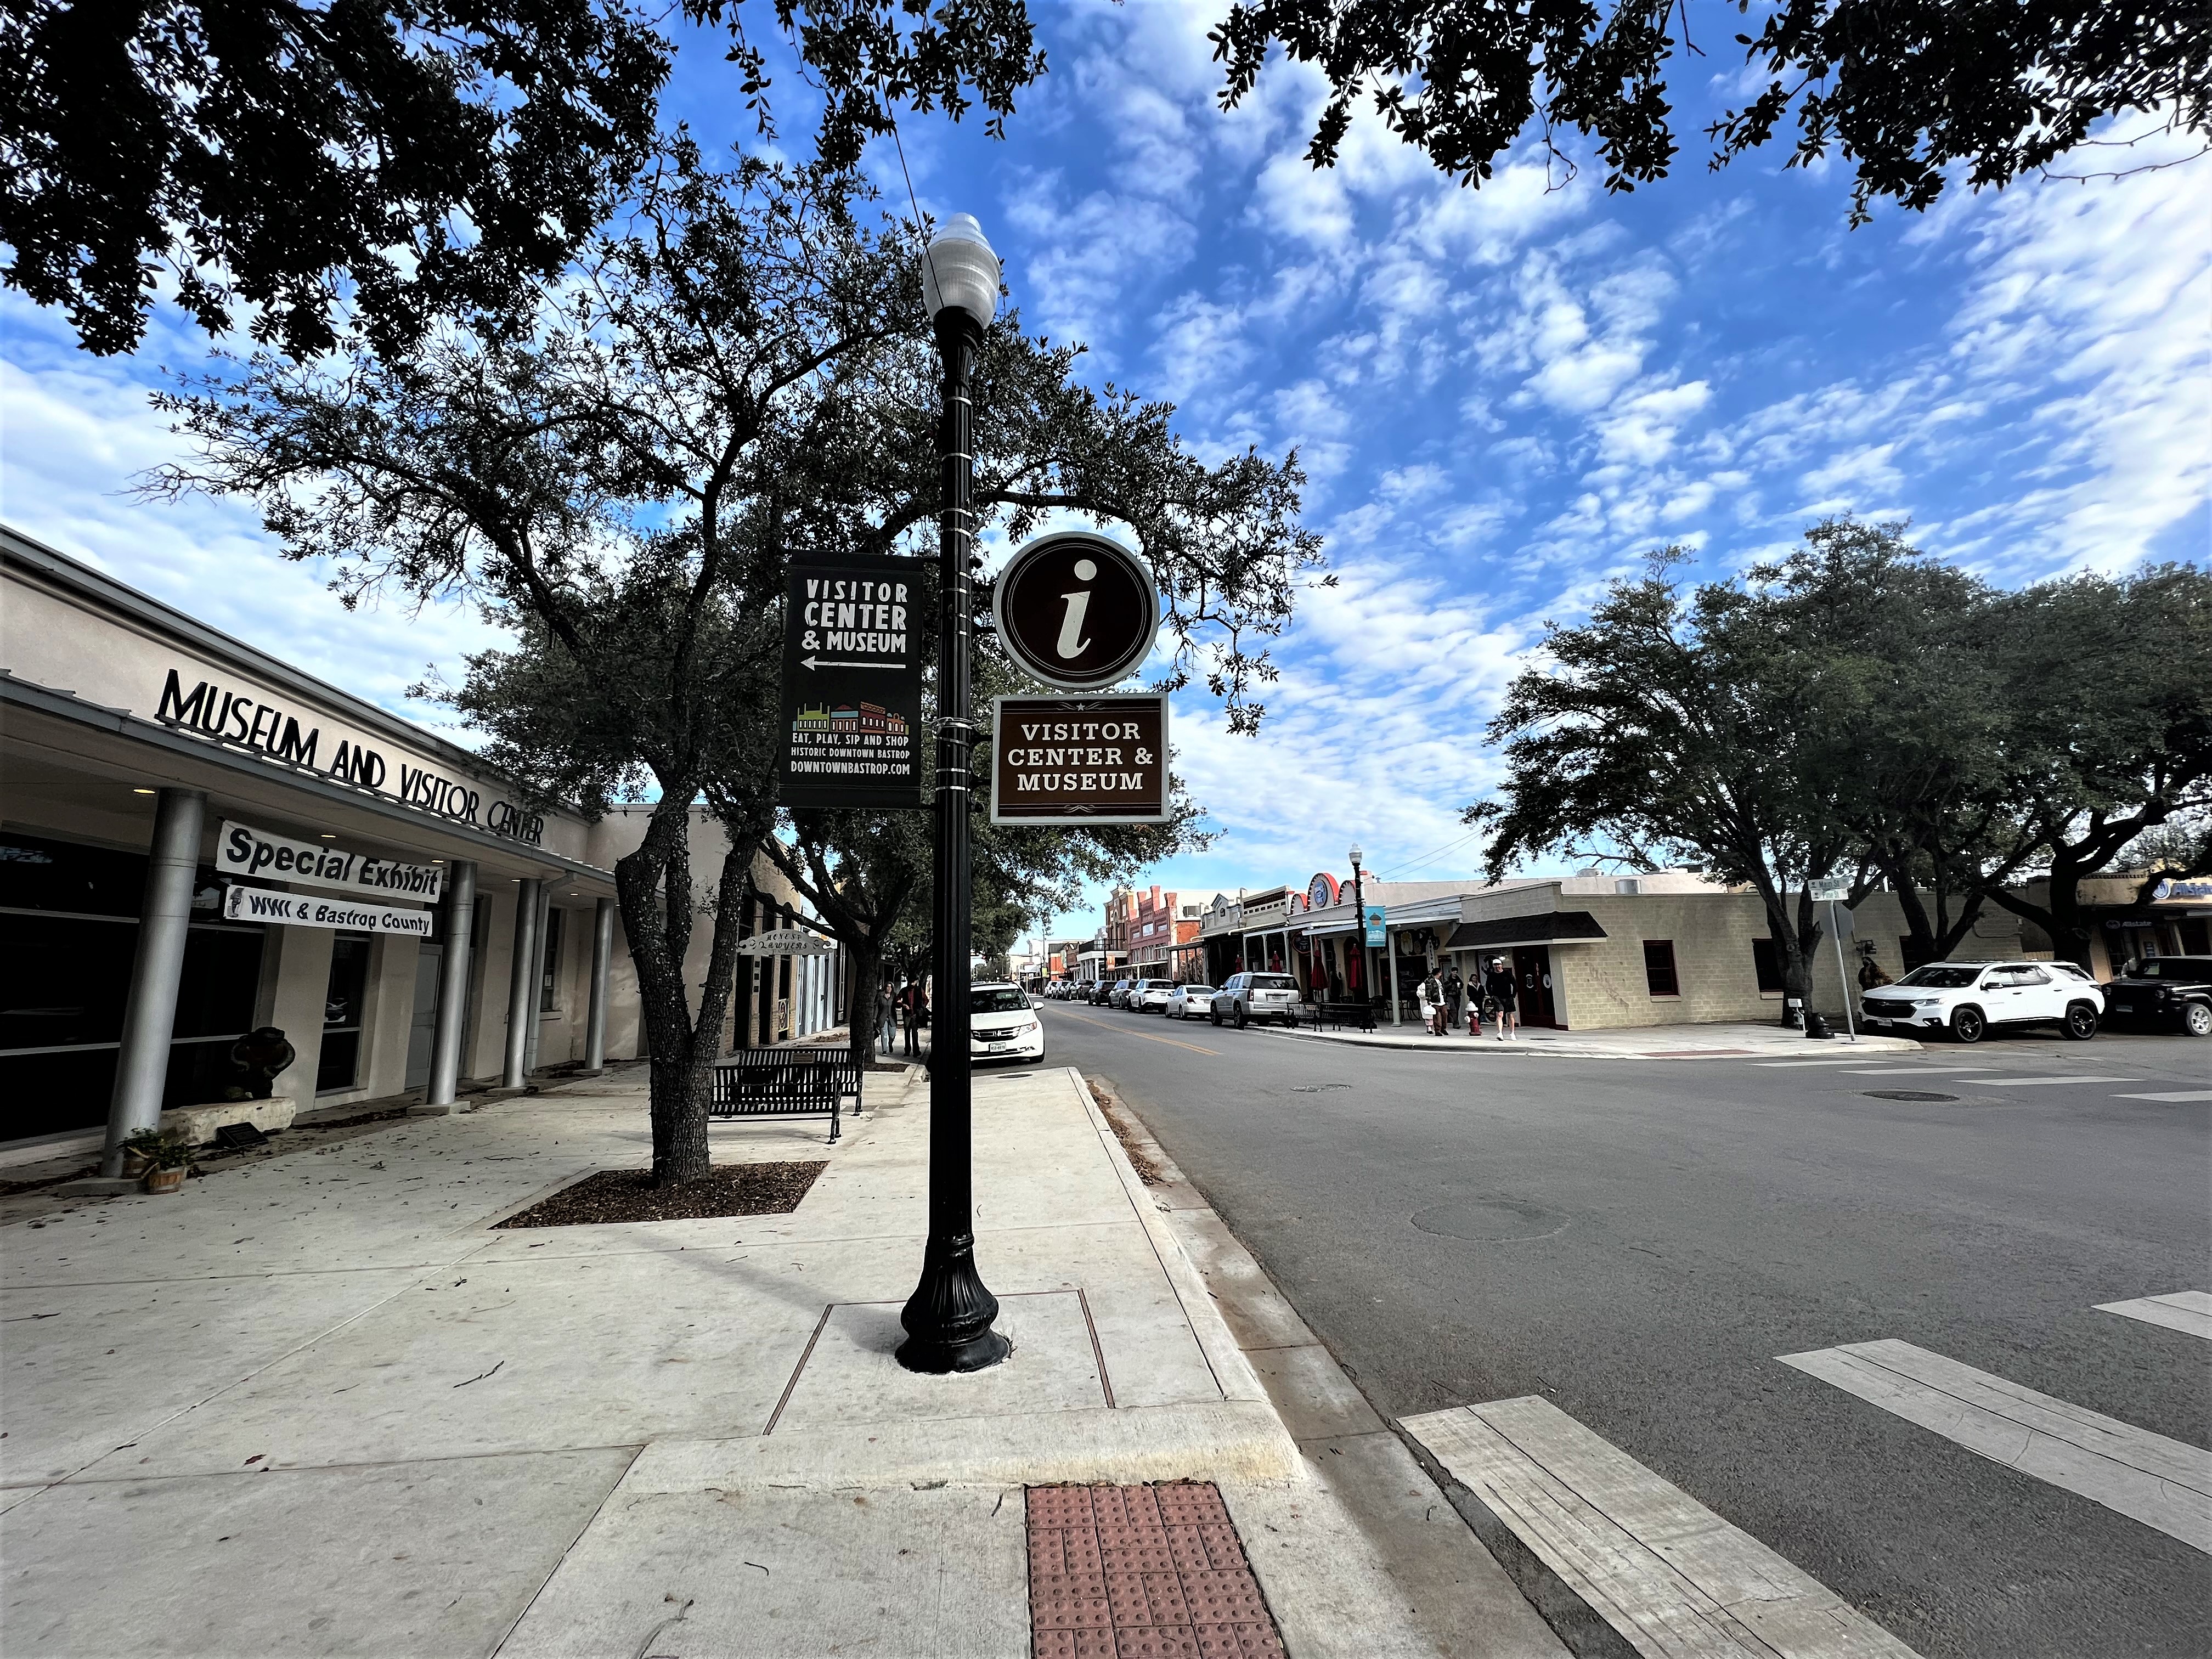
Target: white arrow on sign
x=819, y=662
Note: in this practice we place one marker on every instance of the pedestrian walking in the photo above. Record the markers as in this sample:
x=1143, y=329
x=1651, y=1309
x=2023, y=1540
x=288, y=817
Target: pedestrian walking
x=1503, y=991
x=886, y=1018
x=1453, y=991
x=1432, y=1004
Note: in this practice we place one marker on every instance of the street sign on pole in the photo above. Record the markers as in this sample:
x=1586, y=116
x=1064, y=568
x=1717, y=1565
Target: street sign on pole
x=1828, y=888
x=852, y=685
x=1077, y=610
x=1080, y=760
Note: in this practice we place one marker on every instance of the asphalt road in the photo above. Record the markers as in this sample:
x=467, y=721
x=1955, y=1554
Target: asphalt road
x=1636, y=1241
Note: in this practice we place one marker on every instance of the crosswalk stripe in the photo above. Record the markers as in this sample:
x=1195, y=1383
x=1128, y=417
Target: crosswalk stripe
x=2178, y=1310
x=2040, y=1081
x=1799, y=1065
x=2160, y=1482
x=1918, y=1071
x=2178, y=1095
x=1674, y=1578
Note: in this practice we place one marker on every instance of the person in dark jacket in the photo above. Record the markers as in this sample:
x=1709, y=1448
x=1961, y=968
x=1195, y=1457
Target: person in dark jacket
x=1453, y=990
x=1498, y=984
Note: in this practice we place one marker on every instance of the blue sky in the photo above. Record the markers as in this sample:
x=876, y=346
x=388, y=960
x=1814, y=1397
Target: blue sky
x=1503, y=397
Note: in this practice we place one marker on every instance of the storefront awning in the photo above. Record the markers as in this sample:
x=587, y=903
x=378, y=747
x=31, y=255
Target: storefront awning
x=1549, y=927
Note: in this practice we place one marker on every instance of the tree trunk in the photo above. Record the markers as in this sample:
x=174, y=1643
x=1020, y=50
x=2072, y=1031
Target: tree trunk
x=653, y=885
x=2060, y=915
x=867, y=981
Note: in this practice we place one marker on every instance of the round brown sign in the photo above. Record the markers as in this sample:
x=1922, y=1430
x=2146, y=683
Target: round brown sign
x=1077, y=610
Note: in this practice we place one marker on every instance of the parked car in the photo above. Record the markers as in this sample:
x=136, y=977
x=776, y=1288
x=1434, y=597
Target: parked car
x=1002, y=1025
x=1965, y=999
x=1187, y=999
x=1150, y=996
x=1102, y=991
x=1247, y=997
x=2164, y=991
x=1119, y=998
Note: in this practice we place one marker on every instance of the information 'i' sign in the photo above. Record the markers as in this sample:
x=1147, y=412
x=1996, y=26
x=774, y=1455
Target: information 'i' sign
x=1077, y=609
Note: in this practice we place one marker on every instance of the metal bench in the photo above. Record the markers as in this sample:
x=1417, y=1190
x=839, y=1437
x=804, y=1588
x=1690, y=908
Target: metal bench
x=1336, y=1015
x=785, y=1083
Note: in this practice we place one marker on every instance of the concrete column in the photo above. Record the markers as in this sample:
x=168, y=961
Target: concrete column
x=603, y=956
x=149, y=1017
x=1390, y=955
x=458, y=923
x=537, y=975
x=521, y=988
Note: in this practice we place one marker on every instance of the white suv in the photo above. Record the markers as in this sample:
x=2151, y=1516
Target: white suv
x=1967, y=998
x=1247, y=997
x=1150, y=996
x=1002, y=1024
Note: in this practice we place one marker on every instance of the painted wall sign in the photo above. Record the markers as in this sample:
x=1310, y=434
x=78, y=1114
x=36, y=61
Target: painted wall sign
x=1321, y=891
x=786, y=942
x=239, y=718
x=1077, y=610
x=1079, y=760
x=852, y=685
x=2170, y=889
x=303, y=910
x=242, y=850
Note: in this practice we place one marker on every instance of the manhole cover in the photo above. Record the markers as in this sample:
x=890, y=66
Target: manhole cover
x=1489, y=1220
x=1906, y=1094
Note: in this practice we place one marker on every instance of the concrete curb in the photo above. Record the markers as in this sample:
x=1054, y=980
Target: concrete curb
x=1802, y=1048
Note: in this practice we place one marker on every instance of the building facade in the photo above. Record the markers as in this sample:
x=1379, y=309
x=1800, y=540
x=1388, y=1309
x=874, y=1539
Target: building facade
x=201, y=846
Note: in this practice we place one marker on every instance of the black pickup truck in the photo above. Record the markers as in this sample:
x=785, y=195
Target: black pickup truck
x=2165, y=991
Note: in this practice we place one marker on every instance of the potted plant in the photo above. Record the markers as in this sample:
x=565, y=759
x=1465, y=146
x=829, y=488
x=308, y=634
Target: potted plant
x=167, y=1155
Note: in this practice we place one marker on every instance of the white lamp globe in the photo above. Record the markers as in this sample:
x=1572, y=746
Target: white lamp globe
x=958, y=269
x=1355, y=856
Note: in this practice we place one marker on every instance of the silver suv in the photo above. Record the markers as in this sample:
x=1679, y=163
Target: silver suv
x=1247, y=997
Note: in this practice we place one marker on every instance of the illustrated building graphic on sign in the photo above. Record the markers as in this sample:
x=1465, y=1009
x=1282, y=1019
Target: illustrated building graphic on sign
x=846, y=717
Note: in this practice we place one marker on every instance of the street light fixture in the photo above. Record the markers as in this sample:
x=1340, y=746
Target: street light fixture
x=1359, y=920
x=948, y=1318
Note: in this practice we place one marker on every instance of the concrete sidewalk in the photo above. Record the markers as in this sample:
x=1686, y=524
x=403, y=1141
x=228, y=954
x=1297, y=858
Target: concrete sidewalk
x=318, y=1405
x=1638, y=1042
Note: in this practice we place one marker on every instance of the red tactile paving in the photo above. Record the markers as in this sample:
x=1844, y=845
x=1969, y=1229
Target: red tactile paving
x=1142, y=1572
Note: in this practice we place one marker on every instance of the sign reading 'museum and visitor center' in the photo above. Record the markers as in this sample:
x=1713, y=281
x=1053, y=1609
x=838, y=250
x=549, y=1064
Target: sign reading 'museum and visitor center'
x=1074, y=609
x=243, y=719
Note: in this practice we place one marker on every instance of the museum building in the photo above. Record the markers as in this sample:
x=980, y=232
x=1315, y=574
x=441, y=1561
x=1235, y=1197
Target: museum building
x=200, y=844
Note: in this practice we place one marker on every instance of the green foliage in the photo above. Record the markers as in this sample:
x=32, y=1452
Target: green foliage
x=162, y=1149
x=313, y=166
x=1859, y=708
x=1904, y=91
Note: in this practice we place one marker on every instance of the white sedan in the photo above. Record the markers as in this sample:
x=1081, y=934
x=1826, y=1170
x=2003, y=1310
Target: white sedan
x=1965, y=999
x=1002, y=1024
x=1187, y=1001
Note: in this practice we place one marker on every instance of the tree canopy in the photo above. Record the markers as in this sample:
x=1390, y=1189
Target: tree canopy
x=1857, y=708
x=1902, y=92
x=303, y=166
x=738, y=373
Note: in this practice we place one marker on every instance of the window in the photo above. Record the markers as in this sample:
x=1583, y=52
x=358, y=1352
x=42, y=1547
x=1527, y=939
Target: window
x=1766, y=961
x=339, y=1064
x=548, y=1002
x=1659, y=968
x=1632, y=885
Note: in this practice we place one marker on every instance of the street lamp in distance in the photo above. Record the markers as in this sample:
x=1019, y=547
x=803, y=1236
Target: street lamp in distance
x=1359, y=920
x=948, y=1318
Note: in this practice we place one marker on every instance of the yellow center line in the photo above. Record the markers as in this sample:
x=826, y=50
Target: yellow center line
x=1145, y=1036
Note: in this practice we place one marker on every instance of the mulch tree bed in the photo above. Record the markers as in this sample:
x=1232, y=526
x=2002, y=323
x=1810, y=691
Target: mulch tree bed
x=630, y=1195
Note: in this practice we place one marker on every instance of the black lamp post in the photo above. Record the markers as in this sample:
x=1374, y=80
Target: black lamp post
x=1360, y=921
x=948, y=1318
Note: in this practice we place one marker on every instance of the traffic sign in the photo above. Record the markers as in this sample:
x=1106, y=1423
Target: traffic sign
x=1829, y=888
x=1079, y=760
x=1077, y=610
x=852, y=685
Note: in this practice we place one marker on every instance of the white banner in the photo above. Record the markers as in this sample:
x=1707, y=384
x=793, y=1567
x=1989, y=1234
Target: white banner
x=301, y=910
x=786, y=942
x=243, y=850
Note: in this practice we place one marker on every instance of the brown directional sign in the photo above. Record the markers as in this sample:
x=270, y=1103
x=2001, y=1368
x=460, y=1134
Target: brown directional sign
x=1077, y=610
x=1079, y=760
